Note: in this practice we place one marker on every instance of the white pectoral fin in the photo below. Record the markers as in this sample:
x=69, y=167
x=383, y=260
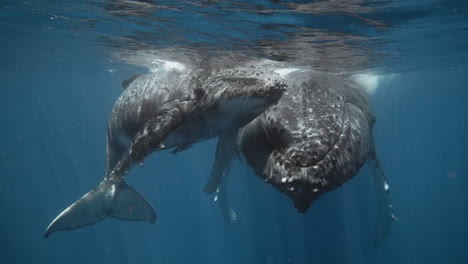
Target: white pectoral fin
x=226, y=151
x=108, y=199
x=223, y=201
x=385, y=216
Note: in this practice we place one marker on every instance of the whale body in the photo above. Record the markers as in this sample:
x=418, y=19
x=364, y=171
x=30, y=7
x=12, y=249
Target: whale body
x=315, y=139
x=167, y=110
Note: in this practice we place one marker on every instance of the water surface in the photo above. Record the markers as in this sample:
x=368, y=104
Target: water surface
x=61, y=66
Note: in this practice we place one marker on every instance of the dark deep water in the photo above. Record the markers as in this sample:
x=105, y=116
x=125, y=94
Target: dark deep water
x=61, y=67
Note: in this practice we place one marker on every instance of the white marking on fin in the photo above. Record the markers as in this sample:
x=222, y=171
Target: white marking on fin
x=386, y=187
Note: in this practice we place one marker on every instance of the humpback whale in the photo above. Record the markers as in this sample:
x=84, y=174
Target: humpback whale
x=167, y=110
x=315, y=139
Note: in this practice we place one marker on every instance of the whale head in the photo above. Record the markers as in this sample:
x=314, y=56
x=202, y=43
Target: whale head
x=313, y=141
x=251, y=81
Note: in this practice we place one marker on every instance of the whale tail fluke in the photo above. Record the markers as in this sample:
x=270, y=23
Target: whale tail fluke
x=117, y=200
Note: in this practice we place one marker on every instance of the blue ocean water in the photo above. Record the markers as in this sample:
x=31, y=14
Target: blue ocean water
x=61, y=67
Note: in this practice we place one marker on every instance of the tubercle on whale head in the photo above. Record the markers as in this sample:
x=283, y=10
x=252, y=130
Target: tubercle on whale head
x=301, y=175
x=258, y=82
x=304, y=176
x=303, y=192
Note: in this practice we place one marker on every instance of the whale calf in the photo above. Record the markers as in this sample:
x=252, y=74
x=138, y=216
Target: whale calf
x=167, y=110
x=314, y=140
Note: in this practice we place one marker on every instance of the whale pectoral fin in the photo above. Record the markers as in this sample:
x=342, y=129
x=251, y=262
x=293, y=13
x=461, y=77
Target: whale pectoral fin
x=222, y=199
x=226, y=150
x=385, y=215
x=108, y=199
x=129, y=205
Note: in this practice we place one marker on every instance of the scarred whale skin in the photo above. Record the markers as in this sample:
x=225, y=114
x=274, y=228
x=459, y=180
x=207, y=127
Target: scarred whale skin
x=314, y=140
x=162, y=110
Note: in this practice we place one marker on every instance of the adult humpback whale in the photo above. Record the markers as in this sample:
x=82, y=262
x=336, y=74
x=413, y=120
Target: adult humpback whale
x=314, y=140
x=162, y=110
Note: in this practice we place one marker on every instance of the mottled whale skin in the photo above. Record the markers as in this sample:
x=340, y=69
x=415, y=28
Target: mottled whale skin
x=163, y=110
x=314, y=140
